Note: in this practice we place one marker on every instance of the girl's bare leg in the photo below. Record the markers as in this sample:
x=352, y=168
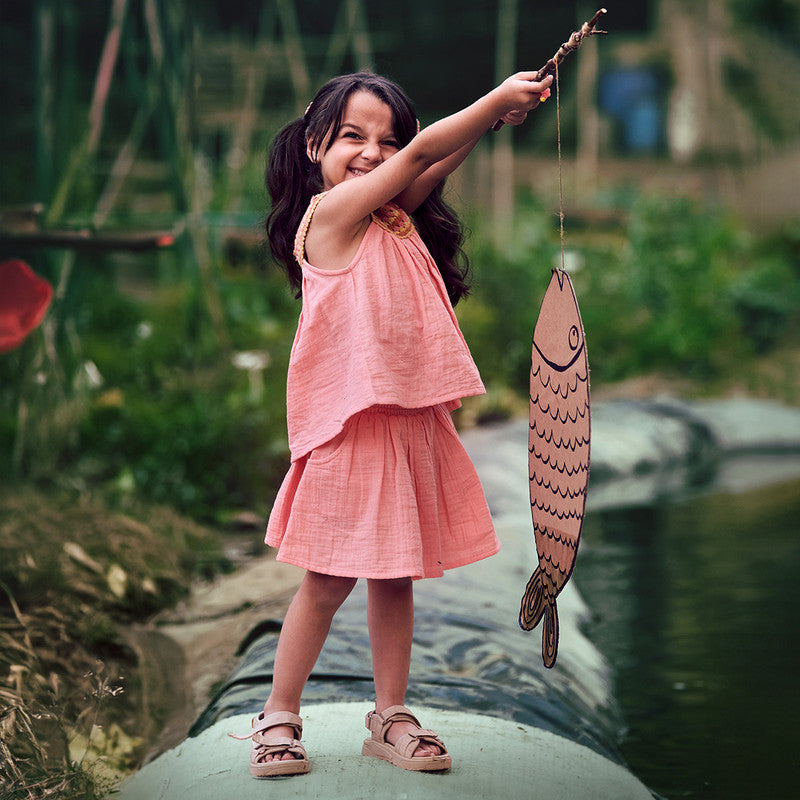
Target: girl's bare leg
x=303, y=634
x=390, y=616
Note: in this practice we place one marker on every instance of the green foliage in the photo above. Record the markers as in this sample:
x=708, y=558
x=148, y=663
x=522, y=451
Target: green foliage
x=674, y=288
x=677, y=277
x=167, y=415
x=766, y=297
x=498, y=317
x=681, y=289
x=778, y=18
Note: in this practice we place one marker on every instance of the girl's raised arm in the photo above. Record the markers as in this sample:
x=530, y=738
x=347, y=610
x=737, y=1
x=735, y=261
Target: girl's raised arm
x=340, y=217
x=414, y=195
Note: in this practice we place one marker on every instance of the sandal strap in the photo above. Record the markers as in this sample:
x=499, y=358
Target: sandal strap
x=280, y=744
x=409, y=742
x=264, y=722
x=378, y=722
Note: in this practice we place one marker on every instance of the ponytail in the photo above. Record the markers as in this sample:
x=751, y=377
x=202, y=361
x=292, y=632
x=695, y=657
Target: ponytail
x=292, y=180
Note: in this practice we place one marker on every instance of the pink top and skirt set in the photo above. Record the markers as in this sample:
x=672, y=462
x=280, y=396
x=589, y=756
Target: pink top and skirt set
x=380, y=485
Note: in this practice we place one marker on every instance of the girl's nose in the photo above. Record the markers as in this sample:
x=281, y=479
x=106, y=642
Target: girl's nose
x=371, y=151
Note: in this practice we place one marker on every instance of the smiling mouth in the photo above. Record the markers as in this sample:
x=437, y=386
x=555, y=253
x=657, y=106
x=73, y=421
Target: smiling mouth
x=357, y=172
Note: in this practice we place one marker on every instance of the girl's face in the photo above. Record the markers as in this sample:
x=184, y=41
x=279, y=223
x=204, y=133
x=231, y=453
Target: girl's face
x=365, y=140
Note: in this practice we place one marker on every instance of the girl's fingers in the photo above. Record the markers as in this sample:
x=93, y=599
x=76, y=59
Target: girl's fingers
x=527, y=89
x=532, y=78
x=526, y=76
x=542, y=85
x=514, y=117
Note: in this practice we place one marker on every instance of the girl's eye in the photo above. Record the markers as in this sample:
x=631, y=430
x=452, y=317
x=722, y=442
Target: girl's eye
x=392, y=143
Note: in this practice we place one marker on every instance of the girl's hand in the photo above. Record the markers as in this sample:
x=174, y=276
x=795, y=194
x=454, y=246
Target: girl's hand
x=514, y=117
x=518, y=117
x=521, y=93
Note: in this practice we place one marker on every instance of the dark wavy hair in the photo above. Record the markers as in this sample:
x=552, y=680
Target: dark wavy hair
x=292, y=180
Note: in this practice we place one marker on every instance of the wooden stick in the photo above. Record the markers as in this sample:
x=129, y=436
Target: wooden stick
x=87, y=240
x=572, y=44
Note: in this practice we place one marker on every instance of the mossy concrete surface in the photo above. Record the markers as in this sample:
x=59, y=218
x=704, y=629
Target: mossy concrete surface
x=492, y=758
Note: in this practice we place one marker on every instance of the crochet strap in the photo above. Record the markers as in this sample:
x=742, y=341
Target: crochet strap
x=302, y=231
x=392, y=218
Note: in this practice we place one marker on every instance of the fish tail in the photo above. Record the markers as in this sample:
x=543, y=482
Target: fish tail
x=533, y=602
x=550, y=635
x=536, y=603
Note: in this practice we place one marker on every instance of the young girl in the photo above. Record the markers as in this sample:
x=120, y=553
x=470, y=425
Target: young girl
x=380, y=486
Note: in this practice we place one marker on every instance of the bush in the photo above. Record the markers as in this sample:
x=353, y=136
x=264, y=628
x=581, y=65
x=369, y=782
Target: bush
x=164, y=413
x=676, y=288
x=681, y=289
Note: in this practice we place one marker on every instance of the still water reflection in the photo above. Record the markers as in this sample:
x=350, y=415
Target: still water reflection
x=697, y=607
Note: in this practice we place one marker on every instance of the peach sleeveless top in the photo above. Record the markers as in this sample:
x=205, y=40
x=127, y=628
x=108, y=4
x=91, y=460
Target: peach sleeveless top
x=380, y=331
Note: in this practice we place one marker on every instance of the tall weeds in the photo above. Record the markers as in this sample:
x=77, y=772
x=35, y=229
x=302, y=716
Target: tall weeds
x=35, y=734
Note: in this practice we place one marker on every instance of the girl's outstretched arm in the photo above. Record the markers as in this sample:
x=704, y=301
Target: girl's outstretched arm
x=413, y=196
x=340, y=220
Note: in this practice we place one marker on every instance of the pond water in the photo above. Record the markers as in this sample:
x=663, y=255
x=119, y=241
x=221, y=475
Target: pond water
x=696, y=605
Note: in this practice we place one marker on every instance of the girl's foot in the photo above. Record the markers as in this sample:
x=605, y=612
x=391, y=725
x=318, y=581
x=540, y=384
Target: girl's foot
x=276, y=748
x=398, y=738
x=401, y=727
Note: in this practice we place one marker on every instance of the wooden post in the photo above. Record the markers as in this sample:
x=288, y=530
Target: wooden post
x=688, y=104
x=295, y=55
x=84, y=151
x=503, y=150
x=588, y=133
x=45, y=36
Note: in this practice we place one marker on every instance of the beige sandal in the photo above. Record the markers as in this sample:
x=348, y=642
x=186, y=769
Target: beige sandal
x=401, y=754
x=264, y=746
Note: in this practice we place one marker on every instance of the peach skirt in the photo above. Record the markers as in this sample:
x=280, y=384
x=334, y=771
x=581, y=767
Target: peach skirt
x=393, y=495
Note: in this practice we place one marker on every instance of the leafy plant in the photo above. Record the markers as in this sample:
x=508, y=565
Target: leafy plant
x=681, y=289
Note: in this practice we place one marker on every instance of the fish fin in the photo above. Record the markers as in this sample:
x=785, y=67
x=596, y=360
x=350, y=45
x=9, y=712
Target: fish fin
x=533, y=602
x=550, y=635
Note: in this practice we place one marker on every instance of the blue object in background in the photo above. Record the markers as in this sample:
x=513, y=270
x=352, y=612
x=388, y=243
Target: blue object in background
x=633, y=97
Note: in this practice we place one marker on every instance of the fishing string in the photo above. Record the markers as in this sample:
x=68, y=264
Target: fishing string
x=560, y=182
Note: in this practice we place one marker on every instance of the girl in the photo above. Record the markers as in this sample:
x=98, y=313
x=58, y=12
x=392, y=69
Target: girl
x=380, y=486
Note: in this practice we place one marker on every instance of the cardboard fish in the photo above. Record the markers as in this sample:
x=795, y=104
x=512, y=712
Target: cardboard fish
x=558, y=454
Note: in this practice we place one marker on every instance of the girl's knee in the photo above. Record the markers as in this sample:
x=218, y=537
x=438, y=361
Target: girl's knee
x=329, y=591
x=389, y=586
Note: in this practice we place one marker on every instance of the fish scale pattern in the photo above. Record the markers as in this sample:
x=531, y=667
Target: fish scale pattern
x=558, y=454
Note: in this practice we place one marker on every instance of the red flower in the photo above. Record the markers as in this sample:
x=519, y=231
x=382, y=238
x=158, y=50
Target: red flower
x=24, y=298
